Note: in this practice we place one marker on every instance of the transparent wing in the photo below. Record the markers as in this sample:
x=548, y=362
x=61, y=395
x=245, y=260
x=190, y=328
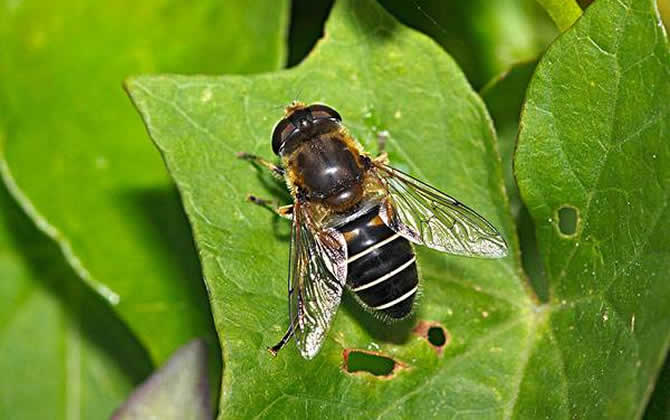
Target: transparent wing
x=317, y=274
x=427, y=216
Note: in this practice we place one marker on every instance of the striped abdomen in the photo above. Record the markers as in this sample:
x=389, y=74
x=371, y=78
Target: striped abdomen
x=381, y=266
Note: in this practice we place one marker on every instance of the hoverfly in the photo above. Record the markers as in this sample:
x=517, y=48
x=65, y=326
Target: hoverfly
x=354, y=221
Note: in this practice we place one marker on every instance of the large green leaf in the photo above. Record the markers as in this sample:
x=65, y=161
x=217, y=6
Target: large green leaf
x=594, y=137
x=366, y=60
x=77, y=156
x=506, y=355
x=63, y=352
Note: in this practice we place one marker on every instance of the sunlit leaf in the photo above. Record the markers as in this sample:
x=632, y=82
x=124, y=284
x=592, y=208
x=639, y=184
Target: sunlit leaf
x=593, y=139
x=506, y=354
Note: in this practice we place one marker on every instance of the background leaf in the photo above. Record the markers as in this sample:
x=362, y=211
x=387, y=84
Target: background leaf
x=63, y=352
x=575, y=356
x=485, y=38
x=594, y=137
x=563, y=12
x=77, y=157
x=178, y=390
x=504, y=97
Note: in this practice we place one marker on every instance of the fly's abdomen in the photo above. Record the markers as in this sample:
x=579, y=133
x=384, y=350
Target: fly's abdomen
x=381, y=266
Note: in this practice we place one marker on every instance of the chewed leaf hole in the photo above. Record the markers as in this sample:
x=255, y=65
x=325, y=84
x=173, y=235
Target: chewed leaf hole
x=357, y=361
x=434, y=333
x=568, y=219
x=436, y=336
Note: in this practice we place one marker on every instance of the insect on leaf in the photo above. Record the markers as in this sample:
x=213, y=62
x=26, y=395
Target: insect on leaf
x=590, y=352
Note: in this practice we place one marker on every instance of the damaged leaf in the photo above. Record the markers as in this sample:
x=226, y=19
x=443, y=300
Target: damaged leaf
x=508, y=355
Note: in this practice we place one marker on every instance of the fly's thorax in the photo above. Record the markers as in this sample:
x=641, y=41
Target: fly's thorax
x=328, y=168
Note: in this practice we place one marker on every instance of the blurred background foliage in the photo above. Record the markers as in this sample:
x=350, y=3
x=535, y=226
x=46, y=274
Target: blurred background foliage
x=485, y=38
x=60, y=339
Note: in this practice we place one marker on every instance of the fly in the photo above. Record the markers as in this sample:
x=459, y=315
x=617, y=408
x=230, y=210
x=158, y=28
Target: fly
x=355, y=220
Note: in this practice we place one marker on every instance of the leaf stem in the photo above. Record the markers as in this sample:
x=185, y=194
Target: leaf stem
x=563, y=12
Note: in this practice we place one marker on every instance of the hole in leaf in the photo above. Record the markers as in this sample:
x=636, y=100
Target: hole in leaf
x=567, y=220
x=356, y=361
x=433, y=332
x=436, y=336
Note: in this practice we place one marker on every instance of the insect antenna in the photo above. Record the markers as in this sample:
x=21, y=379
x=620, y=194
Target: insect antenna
x=298, y=93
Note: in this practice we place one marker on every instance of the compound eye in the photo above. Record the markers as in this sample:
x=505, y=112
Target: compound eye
x=322, y=111
x=282, y=130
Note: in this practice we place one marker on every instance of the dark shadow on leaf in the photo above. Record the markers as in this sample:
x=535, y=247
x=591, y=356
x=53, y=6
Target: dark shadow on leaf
x=374, y=27
x=659, y=403
x=167, y=226
x=274, y=189
x=98, y=323
x=397, y=332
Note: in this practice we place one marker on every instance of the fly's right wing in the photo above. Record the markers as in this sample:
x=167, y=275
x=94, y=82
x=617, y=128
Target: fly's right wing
x=318, y=272
x=429, y=217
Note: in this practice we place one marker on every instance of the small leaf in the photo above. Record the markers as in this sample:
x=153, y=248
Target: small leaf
x=178, y=390
x=63, y=352
x=563, y=12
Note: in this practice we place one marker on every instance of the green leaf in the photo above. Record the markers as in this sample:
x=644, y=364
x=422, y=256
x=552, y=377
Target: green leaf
x=505, y=354
x=178, y=390
x=594, y=137
x=504, y=97
x=77, y=157
x=63, y=352
x=366, y=60
x=563, y=12
x=484, y=37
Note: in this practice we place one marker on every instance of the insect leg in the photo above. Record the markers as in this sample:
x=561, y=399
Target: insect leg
x=277, y=171
x=382, y=156
x=289, y=333
x=284, y=211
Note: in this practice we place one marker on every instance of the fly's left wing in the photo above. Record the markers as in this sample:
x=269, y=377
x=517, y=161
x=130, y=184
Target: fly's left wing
x=318, y=272
x=429, y=217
